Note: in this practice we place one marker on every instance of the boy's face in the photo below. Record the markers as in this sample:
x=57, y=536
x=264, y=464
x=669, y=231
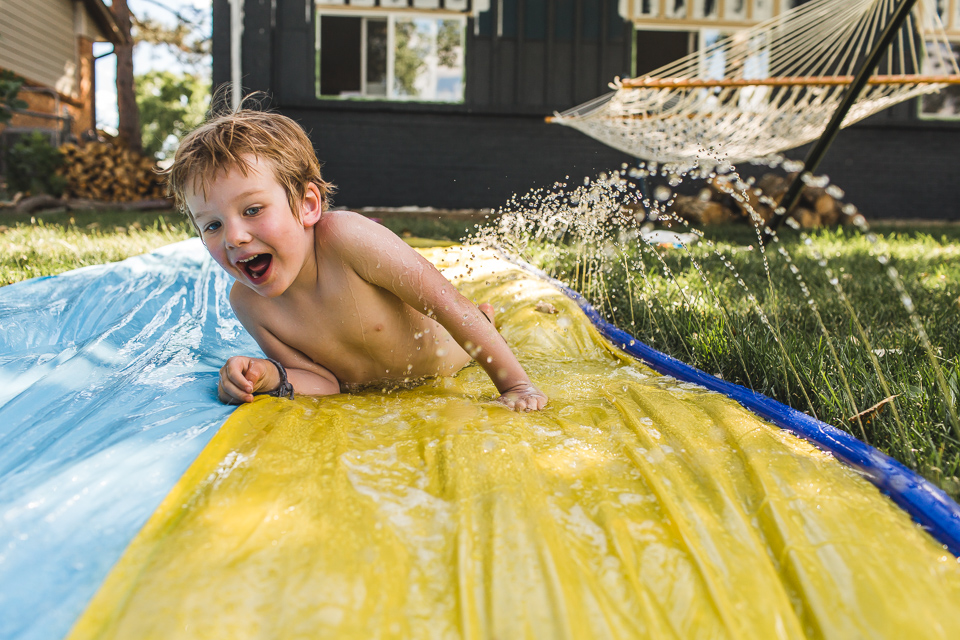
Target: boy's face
x=248, y=227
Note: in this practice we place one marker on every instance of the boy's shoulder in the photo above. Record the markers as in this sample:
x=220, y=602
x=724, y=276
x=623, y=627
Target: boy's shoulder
x=339, y=218
x=346, y=228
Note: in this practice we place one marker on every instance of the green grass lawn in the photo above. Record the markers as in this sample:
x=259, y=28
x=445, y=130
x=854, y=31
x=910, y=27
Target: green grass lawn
x=48, y=244
x=832, y=339
x=58, y=242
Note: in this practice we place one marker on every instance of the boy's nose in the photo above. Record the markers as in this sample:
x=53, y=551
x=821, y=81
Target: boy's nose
x=237, y=234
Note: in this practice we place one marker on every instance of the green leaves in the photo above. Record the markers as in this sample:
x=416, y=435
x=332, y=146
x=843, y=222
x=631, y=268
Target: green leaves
x=171, y=104
x=32, y=165
x=10, y=84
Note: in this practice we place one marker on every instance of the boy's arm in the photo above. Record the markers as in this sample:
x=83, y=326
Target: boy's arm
x=243, y=376
x=383, y=259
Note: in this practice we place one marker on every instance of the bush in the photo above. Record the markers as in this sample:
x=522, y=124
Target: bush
x=10, y=84
x=32, y=165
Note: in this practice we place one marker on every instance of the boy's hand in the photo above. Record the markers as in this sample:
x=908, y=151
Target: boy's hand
x=241, y=377
x=523, y=397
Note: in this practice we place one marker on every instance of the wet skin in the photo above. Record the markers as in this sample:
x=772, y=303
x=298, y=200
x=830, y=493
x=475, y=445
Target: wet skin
x=338, y=299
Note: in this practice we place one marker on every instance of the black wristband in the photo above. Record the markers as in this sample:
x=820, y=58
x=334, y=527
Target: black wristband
x=285, y=389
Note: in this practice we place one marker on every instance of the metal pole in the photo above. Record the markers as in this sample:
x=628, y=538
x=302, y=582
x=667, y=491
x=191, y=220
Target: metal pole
x=815, y=155
x=236, y=53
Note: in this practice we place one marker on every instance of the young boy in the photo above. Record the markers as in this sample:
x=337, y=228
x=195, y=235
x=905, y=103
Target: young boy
x=335, y=300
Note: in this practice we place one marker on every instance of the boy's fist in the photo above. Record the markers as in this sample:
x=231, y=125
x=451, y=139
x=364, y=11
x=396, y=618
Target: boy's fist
x=525, y=397
x=242, y=376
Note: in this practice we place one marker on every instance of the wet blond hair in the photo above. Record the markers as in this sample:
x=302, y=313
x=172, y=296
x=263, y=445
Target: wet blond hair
x=221, y=143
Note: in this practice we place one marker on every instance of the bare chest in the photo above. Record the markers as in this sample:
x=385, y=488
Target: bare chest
x=355, y=330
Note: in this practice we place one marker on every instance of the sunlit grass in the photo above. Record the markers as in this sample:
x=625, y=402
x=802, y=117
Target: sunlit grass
x=48, y=244
x=60, y=242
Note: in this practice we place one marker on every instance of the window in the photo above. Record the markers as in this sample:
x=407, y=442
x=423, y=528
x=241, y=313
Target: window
x=941, y=60
x=392, y=56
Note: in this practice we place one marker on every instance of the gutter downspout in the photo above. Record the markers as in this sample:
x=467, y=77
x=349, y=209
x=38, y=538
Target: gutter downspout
x=236, y=66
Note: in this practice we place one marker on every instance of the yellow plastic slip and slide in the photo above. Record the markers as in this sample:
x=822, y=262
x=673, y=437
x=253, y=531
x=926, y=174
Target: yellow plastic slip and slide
x=635, y=506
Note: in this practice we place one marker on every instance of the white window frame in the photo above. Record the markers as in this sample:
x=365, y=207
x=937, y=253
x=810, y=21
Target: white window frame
x=392, y=17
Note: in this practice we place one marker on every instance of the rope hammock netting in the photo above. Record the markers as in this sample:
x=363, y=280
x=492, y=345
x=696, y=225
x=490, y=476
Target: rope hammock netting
x=769, y=88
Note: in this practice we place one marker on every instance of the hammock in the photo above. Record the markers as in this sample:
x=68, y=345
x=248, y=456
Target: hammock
x=770, y=88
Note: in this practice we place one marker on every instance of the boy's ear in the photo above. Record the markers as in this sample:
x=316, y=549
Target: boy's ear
x=311, y=205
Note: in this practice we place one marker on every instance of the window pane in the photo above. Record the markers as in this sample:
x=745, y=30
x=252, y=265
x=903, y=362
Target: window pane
x=376, y=57
x=410, y=57
x=428, y=59
x=450, y=56
x=340, y=67
x=713, y=58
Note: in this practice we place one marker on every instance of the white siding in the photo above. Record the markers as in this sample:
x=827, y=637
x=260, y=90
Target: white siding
x=37, y=41
x=85, y=25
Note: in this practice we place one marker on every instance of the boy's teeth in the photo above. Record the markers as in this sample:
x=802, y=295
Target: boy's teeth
x=256, y=265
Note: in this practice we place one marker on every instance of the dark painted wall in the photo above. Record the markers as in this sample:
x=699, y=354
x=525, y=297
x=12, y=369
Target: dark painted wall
x=446, y=160
x=477, y=154
x=896, y=172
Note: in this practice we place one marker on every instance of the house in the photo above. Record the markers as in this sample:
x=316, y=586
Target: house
x=441, y=102
x=49, y=43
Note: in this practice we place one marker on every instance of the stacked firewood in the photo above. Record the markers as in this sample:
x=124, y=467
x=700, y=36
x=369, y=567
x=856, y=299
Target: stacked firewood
x=726, y=200
x=109, y=171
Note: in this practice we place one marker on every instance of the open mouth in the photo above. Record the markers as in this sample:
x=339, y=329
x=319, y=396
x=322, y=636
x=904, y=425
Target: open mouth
x=255, y=267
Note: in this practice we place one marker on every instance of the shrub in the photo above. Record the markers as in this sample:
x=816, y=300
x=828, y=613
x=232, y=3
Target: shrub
x=10, y=84
x=32, y=165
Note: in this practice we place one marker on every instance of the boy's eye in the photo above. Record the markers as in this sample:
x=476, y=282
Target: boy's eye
x=252, y=211
x=213, y=226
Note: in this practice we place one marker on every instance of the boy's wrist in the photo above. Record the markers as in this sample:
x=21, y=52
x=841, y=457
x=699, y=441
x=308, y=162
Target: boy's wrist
x=282, y=387
x=514, y=385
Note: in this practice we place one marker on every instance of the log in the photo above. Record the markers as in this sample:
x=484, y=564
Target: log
x=807, y=218
x=107, y=171
x=696, y=210
x=37, y=203
x=828, y=208
x=716, y=213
